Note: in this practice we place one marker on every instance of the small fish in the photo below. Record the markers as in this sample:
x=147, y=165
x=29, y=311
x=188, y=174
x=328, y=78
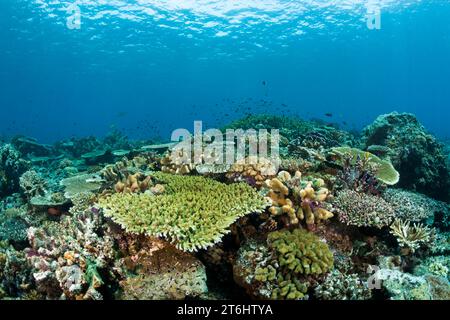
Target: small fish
x=329, y=114
x=264, y=83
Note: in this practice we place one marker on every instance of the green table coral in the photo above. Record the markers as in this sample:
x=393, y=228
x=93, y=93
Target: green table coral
x=193, y=213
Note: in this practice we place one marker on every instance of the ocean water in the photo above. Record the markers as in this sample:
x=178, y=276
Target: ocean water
x=148, y=67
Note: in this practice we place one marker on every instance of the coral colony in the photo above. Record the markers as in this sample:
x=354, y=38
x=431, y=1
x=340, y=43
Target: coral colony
x=294, y=210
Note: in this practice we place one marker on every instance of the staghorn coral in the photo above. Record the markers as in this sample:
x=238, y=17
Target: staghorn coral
x=362, y=210
x=411, y=237
x=413, y=206
x=340, y=286
x=32, y=184
x=193, y=212
x=298, y=199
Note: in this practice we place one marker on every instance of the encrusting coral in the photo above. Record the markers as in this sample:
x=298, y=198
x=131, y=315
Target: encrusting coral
x=298, y=199
x=193, y=212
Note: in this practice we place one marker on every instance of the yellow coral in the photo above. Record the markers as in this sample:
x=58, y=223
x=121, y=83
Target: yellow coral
x=307, y=198
x=194, y=212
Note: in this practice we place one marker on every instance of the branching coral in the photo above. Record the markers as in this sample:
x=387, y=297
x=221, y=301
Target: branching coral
x=298, y=199
x=363, y=210
x=411, y=237
x=193, y=212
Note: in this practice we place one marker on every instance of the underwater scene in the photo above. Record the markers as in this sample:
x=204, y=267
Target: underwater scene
x=209, y=150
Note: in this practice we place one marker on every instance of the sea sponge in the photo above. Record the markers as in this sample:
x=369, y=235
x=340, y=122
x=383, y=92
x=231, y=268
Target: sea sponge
x=194, y=212
x=383, y=169
x=301, y=252
x=299, y=199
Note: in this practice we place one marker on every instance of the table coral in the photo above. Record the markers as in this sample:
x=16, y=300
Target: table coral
x=194, y=212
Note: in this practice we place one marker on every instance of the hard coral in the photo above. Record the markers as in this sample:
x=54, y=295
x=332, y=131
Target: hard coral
x=363, y=210
x=411, y=237
x=298, y=199
x=193, y=212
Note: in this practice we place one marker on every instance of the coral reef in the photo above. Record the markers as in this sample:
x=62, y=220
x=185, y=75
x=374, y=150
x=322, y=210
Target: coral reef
x=66, y=257
x=32, y=184
x=193, y=212
x=112, y=218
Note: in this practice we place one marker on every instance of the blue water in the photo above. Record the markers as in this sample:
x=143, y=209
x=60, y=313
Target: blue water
x=150, y=66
